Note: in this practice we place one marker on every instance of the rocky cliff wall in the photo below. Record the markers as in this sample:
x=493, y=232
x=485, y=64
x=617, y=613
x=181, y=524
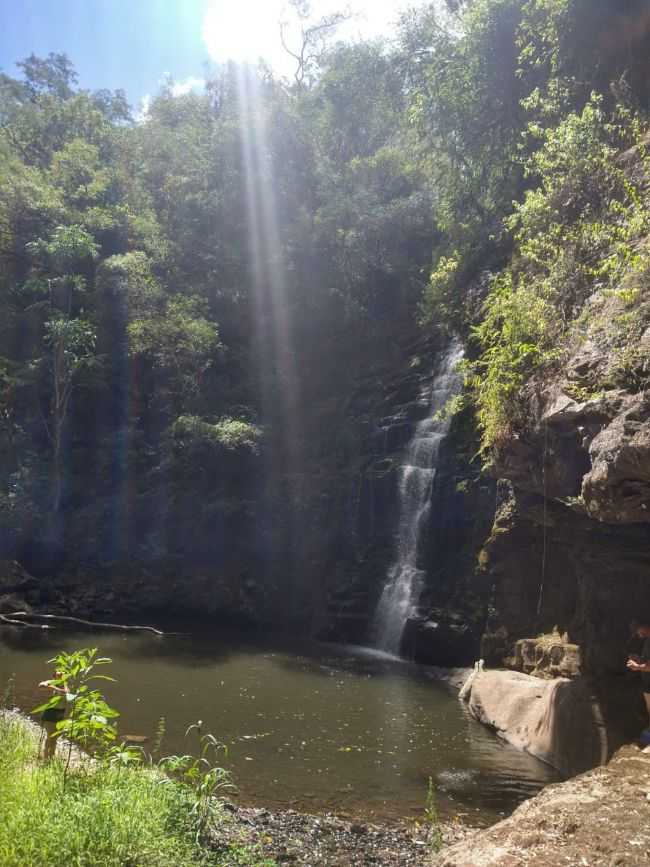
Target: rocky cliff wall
x=385, y=410
x=570, y=545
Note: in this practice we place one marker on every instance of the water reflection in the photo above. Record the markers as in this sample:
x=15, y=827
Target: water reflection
x=308, y=726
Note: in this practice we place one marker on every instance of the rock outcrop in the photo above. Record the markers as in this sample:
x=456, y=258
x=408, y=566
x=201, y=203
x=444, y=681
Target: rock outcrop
x=547, y=657
x=573, y=725
x=550, y=566
x=447, y=640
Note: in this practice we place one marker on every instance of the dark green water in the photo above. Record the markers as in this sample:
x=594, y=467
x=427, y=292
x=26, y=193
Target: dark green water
x=312, y=727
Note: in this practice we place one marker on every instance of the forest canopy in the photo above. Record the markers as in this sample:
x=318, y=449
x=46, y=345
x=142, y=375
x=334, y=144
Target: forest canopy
x=183, y=295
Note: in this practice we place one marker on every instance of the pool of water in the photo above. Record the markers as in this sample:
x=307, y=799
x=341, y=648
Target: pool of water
x=312, y=727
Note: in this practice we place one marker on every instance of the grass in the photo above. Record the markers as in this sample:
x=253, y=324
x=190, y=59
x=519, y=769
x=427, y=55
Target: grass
x=105, y=817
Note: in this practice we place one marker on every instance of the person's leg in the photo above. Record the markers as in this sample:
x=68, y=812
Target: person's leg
x=646, y=696
x=50, y=739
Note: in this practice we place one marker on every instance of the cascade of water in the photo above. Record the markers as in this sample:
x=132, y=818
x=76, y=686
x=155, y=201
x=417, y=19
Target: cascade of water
x=404, y=580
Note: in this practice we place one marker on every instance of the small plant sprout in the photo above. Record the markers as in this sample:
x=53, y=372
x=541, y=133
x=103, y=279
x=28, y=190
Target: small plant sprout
x=432, y=818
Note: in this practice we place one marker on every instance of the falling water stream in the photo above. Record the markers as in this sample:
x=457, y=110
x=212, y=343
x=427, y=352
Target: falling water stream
x=404, y=580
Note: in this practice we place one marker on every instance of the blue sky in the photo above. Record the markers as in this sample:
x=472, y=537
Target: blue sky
x=113, y=43
x=134, y=44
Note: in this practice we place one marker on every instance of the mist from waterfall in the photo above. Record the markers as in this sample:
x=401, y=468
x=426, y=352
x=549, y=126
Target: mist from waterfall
x=416, y=475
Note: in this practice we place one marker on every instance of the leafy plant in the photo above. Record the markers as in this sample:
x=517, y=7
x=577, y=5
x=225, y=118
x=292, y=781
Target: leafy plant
x=201, y=773
x=89, y=722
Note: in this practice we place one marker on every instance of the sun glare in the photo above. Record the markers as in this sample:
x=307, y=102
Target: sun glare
x=244, y=31
x=250, y=29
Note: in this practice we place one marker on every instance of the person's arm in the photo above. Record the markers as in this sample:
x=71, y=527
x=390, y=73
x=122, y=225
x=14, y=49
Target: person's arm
x=47, y=684
x=634, y=665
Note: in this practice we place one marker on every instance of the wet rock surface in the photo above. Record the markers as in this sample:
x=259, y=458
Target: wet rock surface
x=617, y=488
x=385, y=413
x=327, y=841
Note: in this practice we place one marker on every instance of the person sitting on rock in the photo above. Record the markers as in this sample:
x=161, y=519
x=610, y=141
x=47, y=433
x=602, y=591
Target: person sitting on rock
x=641, y=664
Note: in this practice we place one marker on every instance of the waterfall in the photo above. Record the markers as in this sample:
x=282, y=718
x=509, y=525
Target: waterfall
x=404, y=580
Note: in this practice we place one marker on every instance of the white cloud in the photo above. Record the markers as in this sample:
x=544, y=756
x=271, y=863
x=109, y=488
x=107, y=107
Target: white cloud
x=187, y=85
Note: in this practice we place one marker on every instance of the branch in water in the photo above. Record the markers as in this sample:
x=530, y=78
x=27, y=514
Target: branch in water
x=11, y=622
x=9, y=619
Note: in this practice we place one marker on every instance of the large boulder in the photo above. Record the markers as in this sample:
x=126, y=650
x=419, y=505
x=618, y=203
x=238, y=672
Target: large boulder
x=447, y=641
x=565, y=723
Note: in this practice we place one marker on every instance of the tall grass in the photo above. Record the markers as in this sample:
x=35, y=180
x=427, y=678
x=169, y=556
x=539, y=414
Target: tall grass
x=105, y=816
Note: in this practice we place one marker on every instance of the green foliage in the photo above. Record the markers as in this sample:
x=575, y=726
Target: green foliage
x=452, y=407
x=252, y=245
x=466, y=106
x=108, y=816
x=440, y=296
x=129, y=277
x=203, y=776
x=8, y=694
x=517, y=336
x=190, y=433
x=72, y=342
x=113, y=810
x=179, y=341
x=88, y=721
x=575, y=232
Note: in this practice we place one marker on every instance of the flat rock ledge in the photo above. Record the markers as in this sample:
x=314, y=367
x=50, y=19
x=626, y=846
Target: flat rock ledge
x=598, y=819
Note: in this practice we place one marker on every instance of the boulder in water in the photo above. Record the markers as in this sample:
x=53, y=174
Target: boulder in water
x=573, y=725
x=446, y=642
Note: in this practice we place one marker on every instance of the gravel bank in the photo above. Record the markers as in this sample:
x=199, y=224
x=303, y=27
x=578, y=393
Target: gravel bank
x=326, y=841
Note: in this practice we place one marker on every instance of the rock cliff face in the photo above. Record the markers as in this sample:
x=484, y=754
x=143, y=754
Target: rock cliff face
x=570, y=545
x=447, y=627
x=551, y=566
x=567, y=548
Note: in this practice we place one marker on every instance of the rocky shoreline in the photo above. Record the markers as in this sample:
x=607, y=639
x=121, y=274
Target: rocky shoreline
x=306, y=840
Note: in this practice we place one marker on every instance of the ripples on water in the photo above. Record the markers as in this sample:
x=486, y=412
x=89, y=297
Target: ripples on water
x=308, y=726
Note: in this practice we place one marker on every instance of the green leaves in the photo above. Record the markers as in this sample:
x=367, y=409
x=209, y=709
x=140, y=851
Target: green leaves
x=190, y=432
x=73, y=340
x=67, y=247
x=88, y=721
x=202, y=774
